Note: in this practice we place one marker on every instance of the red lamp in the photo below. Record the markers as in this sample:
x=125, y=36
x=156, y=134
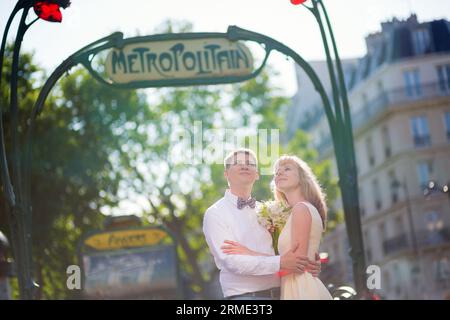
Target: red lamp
x=50, y=10
x=297, y=2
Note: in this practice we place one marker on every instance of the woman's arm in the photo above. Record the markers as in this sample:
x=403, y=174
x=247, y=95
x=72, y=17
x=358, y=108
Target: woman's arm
x=233, y=247
x=300, y=228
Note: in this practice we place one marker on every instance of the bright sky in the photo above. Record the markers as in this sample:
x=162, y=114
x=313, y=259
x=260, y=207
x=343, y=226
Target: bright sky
x=88, y=20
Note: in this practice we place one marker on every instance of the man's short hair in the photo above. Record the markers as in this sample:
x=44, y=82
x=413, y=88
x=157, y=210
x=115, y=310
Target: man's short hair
x=230, y=156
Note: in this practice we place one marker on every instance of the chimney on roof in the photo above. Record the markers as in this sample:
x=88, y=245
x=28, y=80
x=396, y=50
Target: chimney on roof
x=395, y=23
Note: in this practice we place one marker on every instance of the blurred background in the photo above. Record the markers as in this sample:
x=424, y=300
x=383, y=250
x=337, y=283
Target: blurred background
x=102, y=154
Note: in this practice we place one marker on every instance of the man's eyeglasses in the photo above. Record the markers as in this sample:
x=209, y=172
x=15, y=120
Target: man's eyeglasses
x=247, y=163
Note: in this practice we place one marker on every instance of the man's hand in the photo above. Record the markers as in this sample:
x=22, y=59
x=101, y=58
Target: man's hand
x=299, y=264
x=294, y=262
x=314, y=267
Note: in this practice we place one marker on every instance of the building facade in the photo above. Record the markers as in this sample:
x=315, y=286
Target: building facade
x=399, y=96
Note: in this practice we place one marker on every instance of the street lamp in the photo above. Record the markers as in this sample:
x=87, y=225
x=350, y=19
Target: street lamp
x=433, y=187
x=15, y=188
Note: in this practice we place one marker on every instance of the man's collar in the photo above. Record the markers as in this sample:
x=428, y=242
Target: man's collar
x=231, y=197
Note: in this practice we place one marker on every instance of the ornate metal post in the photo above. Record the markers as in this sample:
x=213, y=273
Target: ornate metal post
x=342, y=135
x=19, y=207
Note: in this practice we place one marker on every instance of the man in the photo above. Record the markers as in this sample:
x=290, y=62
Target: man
x=234, y=218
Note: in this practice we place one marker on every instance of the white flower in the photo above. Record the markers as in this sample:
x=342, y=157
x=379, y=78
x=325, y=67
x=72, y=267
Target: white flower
x=272, y=214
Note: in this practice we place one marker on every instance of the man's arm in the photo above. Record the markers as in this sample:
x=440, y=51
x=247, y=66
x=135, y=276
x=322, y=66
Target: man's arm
x=233, y=247
x=216, y=232
x=291, y=261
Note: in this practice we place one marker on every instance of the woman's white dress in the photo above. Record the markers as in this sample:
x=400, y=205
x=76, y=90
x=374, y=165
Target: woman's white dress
x=303, y=286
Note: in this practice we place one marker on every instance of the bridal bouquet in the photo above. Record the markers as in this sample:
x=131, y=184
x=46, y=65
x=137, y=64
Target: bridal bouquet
x=273, y=215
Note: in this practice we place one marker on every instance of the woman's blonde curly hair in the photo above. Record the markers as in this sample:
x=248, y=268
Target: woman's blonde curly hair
x=309, y=186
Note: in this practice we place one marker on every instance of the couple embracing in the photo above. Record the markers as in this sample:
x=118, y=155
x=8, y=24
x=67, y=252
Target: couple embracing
x=242, y=245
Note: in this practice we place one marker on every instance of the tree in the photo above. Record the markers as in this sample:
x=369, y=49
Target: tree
x=83, y=124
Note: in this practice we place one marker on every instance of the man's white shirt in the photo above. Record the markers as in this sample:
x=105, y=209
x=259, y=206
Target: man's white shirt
x=240, y=273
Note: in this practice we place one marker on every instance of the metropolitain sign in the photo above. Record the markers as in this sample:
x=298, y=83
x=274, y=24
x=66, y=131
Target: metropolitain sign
x=186, y=59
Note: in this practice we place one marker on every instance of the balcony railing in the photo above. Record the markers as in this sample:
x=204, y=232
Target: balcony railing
x=395, y=97
x=382, y=102
x=395, y=244
x=422, y=141
x=424, y=238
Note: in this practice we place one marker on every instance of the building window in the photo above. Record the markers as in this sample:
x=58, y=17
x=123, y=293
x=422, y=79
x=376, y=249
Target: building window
x=447, y=125
x=380, y=88
x=398, y=280
x=441, y=268
x=412, y=83
x=370, y=151
x=421, y=41
x=376, y=194
x=425, y=170
x=367, y=246
x=369, y=255
x=361, y=202
x=365, y=100
x=444, y=77
x=400, y=229
x=434, y=221
x=387, y=142
x=434, y=225
x=386, y=285
x=382, y=232
x=420, y=131
x=393, y=183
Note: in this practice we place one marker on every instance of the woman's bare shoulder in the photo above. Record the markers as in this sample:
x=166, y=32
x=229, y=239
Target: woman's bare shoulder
x=301, y=210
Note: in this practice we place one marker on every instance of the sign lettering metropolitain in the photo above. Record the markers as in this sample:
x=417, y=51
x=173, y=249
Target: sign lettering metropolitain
x=178, y=59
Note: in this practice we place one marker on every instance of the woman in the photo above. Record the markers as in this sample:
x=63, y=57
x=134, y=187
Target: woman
x=296, y=186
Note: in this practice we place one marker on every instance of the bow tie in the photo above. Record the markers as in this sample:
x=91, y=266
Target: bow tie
x=241, y=203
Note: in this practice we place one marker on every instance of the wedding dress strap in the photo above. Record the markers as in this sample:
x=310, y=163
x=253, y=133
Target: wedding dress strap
x=304, y=202
x=307, y=204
